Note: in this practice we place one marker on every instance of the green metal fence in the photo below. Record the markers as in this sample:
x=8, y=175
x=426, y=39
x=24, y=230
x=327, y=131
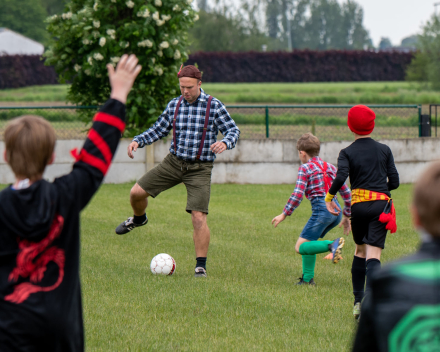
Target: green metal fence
x=328, y=122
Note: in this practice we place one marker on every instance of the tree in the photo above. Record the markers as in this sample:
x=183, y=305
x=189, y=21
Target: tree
x=318, y=24
x=385, y=43
x=216, y=31
x=95, y=32
x=425, y=67
x=410, y=42
x=25, y=17
x=53, y=7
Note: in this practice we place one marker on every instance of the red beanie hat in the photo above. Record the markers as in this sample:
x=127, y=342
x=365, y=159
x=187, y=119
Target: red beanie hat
x=361, y=119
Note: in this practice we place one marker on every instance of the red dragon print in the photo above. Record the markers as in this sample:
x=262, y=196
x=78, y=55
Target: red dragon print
x=28, y=265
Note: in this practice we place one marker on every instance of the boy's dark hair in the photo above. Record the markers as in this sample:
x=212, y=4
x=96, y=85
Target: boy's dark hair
x=426, y=199
x=29, y=142
x=309, y=143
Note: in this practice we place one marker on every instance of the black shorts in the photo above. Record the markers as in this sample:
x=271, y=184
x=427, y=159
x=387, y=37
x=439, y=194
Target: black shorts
x=365, y=224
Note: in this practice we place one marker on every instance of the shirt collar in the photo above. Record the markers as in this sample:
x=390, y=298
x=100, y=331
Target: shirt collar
x=315, y=158
x=202, y=97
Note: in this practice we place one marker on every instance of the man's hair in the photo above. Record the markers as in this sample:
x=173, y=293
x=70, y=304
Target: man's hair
x=29, y=141
x=426, y=199
x=309, y=143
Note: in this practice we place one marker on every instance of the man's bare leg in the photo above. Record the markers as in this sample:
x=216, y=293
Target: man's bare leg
x=138, y=200
x=201, y=239
x=201, y=233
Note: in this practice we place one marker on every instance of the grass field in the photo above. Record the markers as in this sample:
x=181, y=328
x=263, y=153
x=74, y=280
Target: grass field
x=272, y=93
x=249, y=302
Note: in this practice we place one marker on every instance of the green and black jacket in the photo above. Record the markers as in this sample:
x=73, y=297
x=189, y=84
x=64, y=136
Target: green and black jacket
x=402, y=313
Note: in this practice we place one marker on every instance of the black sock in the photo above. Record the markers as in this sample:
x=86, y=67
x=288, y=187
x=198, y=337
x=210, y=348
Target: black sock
x=201, y=261
x=139, y=219
x=358, y=271
x=372, y=265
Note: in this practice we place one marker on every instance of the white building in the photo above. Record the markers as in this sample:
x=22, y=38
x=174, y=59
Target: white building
x=12, y=43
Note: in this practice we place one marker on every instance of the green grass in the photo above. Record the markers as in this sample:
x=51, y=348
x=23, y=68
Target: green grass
x=273, y=93
x=249, y=302
x=49, y=93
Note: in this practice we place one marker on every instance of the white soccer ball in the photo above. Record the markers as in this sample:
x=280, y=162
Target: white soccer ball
x=163, y=264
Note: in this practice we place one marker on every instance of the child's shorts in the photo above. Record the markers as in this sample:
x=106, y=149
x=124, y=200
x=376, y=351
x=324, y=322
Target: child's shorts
x=365, y=224
x=321, y=220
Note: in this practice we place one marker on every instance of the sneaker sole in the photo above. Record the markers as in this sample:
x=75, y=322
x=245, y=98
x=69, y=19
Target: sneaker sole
x=337, y=257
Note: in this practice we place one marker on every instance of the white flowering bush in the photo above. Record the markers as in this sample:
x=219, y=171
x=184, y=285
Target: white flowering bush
x=93, y=33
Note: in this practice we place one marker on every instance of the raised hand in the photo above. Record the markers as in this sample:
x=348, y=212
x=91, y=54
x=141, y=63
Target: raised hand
x=122, y=79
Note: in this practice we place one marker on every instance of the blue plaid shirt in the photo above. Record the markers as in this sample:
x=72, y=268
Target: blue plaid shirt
x=189, y=128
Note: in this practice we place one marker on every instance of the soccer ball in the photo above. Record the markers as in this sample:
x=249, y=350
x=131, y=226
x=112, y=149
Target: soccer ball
x=163, y=264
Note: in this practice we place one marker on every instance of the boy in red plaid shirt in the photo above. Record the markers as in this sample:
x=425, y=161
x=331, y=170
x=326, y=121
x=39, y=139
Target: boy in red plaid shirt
x=314, y=179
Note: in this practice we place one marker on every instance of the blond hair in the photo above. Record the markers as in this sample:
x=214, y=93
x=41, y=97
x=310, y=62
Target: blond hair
x=309, y=143
x=426, y=199
x=30, y=142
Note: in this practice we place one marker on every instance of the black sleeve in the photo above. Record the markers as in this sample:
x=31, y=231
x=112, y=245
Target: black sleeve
x=393, y=175
x=94, y=159
x=342, y=174
x=365, y=339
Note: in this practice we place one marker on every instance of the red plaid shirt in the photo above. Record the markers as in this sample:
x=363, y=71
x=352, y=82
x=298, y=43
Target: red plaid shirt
x=311, y=182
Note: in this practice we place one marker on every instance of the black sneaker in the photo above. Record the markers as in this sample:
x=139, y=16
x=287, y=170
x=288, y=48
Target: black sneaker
x=200, y=272
x=128, y=225
x=302, y=282
x=336, y=249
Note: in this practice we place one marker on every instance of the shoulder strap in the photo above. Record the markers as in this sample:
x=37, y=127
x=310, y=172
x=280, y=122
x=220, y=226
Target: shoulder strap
x=205, y=127
x=327, y=178
x=174, y=123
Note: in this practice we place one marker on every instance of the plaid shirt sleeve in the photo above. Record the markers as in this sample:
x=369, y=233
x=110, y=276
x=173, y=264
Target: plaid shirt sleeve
x=346, y=197
x=226, y=125
x=345, y=193
x=298, y=193
x=160, y=129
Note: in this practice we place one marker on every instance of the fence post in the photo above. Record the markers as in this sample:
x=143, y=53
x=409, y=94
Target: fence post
x=420, y=121
x=267, y=121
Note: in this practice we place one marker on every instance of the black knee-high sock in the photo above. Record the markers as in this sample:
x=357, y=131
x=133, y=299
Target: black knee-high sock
x=372, y=266
x=358, y=270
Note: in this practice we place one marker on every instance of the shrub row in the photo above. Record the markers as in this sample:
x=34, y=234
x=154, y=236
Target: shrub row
x=302, y=66
x=299, y=66
x=25, y=70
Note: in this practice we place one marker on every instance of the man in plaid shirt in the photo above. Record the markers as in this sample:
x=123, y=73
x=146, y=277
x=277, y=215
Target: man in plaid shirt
x=314, y=179
x=195, y=118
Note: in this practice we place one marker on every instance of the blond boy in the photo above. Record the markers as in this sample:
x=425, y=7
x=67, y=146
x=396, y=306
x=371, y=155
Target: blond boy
x=40, y=295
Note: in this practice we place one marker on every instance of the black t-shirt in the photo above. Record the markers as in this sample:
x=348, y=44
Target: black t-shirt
x=40, y=294
x=369, y=164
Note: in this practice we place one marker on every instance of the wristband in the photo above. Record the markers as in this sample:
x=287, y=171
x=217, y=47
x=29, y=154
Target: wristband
x=329, y=197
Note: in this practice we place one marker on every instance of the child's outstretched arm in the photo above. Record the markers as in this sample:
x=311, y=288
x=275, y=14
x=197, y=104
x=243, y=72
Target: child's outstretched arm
x=296, y=197
x=94, y=159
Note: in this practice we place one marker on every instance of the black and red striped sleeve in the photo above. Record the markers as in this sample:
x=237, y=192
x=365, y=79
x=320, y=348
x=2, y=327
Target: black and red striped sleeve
x=95, y=157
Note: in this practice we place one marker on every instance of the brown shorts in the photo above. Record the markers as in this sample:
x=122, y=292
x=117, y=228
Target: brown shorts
x=195, y=175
